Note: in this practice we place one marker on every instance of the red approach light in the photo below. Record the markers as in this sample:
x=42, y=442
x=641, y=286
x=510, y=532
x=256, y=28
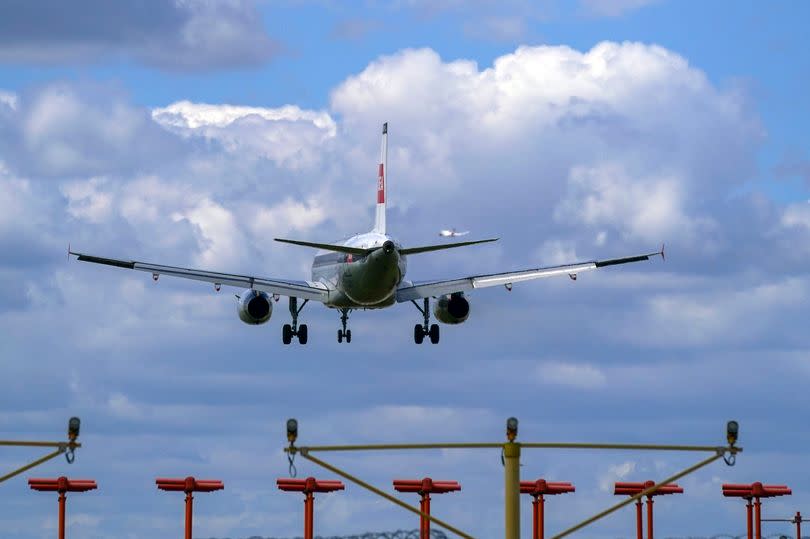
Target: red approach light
x=631, y=489
x=753, y=509
x=538, y=489
x=755, y=490
x=189, y=484
x=310, y=484
x=425, y=487
x=543, y=487
x=62, y=485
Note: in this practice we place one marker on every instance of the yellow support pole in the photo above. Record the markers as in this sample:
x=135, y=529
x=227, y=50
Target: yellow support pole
x=511, y=485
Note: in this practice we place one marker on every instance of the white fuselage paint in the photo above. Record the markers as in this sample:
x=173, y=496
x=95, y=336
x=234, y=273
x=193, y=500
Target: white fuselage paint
x=361, y=282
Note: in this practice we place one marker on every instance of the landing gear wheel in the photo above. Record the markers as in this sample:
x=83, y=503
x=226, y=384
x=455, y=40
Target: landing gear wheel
x=340, y=335
x=434, y=333
x=348, y=336
x=418, y=334
x=286, y=334
x=302, y=334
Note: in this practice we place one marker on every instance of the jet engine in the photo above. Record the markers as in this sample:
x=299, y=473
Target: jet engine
x=452, y=308
x=254, y=307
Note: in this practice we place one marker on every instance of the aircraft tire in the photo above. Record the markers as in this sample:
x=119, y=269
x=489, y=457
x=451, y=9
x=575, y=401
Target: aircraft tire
x=434, y=333
x=302, y=334
x=418, y=334
x=348, y=336
x=286, y=334
x=340, y=335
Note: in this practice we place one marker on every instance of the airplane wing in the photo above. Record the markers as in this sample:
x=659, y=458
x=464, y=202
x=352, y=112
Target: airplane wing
x=299, y=289
x=426, y=289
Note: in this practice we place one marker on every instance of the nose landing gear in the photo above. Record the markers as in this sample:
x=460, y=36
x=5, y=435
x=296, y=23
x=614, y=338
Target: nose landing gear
x=289, y=331
x=420, y=331
x=344, y=333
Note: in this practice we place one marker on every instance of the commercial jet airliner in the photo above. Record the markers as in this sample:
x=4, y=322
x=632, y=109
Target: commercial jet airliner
x=366, y=271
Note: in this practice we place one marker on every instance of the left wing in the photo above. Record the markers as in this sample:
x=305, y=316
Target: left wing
x=426, y=289
x=300, y=289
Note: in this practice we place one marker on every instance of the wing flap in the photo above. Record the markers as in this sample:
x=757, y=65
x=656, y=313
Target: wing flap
x=300, y=289
x=418, y=290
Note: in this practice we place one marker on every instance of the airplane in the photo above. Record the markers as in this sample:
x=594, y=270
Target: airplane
x=452, y=233
x=365, y=271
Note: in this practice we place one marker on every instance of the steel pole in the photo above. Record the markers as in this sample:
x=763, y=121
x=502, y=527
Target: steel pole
x=189, y=513
x=511, y=475
x=424, y=522
x=536, y=518
x=749, y=510
x=798, y=525
x=61, y=515
x=649, y=517
x=309, y=515
x=758, y=518
x=542, y=524
x=639, y=529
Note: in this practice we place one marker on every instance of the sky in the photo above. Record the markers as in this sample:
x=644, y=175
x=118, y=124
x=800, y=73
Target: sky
x=192, y=132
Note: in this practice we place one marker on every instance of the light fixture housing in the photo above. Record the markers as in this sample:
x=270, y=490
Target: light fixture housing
x=292, y=430
x=74, y=426
x=732, y=430
x=511, y=428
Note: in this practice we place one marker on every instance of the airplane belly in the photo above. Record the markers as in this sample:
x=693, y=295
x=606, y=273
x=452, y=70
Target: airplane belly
x=370, y=283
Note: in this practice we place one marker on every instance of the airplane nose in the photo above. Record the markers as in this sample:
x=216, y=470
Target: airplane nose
x=388, y=247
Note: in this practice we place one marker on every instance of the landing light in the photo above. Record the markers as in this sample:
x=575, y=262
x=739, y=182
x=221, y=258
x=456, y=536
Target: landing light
x=511, y=428
x=74, y=424
x=292, y=430
x=732, y=429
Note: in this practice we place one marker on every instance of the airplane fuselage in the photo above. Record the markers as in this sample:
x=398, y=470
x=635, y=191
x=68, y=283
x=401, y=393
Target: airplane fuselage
x=362, y=281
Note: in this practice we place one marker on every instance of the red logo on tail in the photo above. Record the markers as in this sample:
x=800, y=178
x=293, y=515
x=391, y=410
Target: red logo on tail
x=381, y=186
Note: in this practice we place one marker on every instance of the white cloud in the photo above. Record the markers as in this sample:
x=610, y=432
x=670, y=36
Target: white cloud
x=9, y=99
x=87, y=201
x=612, y=8
x=649, y=208
x=582, y=376
x=615, y=472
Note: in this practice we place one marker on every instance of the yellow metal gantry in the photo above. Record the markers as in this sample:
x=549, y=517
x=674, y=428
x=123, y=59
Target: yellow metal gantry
x=511, y=452
x=62, y=448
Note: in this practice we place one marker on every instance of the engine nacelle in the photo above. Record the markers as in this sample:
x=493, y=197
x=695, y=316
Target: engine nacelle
x=254, y=307
x=452, y=308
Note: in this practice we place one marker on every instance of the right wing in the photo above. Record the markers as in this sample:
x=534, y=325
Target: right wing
x=427, y=289
x=300, y=289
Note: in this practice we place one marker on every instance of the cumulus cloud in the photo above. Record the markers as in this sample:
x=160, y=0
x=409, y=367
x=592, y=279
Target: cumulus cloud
x=185, y=35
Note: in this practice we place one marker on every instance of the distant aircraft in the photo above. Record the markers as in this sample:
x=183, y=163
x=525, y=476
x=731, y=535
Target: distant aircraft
x=366, y=271
x=452, y=233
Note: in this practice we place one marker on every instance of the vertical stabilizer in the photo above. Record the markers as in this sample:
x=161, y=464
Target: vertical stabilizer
x=382, y=183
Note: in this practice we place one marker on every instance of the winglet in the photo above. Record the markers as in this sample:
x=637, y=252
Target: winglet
x=663, y=253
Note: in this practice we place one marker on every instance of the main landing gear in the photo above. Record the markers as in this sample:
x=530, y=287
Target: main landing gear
x=289, y=331
x=344, y=333
x=425, y=329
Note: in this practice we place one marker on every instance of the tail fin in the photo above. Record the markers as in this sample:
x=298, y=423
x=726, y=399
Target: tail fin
x=382, y=177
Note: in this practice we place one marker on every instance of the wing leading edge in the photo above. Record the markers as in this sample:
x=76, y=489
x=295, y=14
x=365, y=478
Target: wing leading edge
x=426, y=289
x=300, y=289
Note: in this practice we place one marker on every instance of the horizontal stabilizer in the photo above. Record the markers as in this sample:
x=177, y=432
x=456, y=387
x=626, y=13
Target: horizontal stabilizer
x=328, y=247
x=441, y=246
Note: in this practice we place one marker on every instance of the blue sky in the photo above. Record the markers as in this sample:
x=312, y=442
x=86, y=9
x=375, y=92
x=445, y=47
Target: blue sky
x=191, y=133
